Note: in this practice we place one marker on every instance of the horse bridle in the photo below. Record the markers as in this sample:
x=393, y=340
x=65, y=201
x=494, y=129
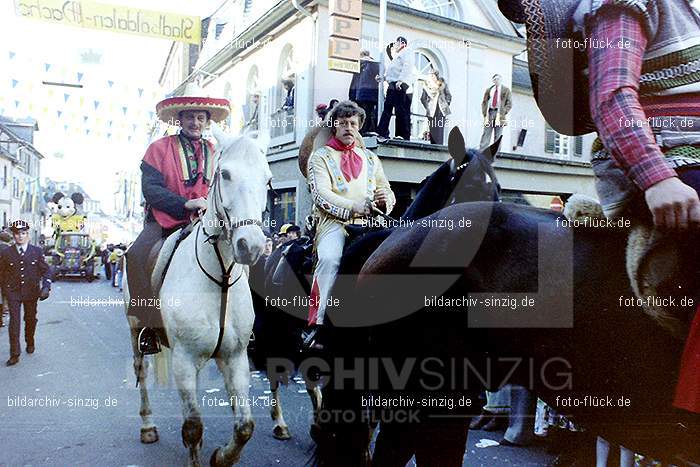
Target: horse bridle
x=228, y=227
x=225, y=221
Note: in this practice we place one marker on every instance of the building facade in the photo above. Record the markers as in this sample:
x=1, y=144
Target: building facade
x=264, y=55
x=20, y=171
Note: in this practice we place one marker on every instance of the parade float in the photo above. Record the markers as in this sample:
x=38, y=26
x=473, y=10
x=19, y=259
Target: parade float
x=73, y=252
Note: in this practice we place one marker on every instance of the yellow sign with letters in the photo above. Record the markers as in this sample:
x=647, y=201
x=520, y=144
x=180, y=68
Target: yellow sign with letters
x=345, y=30
x=115, y=18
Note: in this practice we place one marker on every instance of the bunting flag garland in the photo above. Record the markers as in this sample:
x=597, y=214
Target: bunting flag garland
x=113, y=100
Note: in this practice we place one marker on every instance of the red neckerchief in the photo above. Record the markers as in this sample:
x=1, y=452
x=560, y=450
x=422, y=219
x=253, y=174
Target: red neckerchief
x=350, y=161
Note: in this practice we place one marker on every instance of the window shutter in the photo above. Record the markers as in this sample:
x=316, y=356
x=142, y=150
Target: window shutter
x=578, y=151
x=549, y=137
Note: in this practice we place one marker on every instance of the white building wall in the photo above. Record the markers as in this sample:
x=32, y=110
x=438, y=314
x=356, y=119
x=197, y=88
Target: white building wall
x=527, y=115
x=468, y=59
x=472, y=13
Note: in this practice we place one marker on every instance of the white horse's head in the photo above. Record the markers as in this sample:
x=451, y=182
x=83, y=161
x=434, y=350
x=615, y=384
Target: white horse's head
x=238, y=195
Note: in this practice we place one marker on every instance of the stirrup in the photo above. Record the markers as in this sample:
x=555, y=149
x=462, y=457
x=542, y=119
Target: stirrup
x=311, y=339
x=148, y=342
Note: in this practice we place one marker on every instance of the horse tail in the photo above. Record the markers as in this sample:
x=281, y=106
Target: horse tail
x=161, y=368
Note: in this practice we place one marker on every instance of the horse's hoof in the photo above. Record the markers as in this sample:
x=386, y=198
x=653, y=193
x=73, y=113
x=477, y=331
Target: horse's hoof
x=281, y=432
x=212, y=461
x=315, y=432
x=149, y=435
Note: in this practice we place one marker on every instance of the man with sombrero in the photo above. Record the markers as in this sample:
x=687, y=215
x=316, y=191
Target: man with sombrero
x=25, y=278
x=629, y=70
x=175, y=175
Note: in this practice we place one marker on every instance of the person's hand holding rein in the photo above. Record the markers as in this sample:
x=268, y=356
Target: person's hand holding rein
x=361, y=208
x=381, y=199
x=198, y=205
x=673, y=204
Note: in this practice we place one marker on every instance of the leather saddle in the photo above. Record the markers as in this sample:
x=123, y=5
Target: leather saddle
x=157, y=264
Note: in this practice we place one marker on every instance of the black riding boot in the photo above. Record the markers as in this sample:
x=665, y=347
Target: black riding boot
x=148, y=341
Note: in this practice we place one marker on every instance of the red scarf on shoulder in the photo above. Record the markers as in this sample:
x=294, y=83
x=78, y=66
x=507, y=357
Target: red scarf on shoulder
x=350, y=161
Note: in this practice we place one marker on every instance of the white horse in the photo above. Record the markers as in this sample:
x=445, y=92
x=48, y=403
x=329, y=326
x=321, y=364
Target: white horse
x=228, y=238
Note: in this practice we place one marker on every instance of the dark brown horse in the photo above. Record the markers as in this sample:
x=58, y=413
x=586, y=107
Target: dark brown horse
x=281, y=315
x=516, y=296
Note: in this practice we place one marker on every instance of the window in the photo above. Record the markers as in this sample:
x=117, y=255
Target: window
x=562, y=145
x=446, y=8
x=282, y=119
x=252, y=104
x=15, y=187
x=283, y=207
x=4, y=176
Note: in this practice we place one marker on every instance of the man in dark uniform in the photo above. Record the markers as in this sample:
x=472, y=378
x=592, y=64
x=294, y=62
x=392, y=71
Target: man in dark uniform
x=22, y=269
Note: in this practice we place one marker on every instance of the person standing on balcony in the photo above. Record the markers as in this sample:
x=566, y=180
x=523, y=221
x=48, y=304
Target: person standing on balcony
x=436, y=99
x=363, y=91
x=495, y=107
x=399, y=75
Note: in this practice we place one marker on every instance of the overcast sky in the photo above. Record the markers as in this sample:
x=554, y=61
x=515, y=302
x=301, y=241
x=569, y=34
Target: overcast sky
x=84, y=132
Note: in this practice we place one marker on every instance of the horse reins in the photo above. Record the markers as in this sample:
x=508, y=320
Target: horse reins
x=223, y=284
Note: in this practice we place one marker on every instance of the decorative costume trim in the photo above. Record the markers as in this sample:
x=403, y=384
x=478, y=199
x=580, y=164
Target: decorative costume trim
x=189, y=162
x=328, y=207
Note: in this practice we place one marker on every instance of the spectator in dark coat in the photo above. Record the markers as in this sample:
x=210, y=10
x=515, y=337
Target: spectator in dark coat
x=364, y=91
x=106, y=251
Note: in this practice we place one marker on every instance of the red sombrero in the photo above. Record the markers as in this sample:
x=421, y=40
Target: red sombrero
x=192, y=99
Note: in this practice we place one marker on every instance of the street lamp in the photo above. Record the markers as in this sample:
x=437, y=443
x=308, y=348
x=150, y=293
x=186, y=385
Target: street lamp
x=382, y=25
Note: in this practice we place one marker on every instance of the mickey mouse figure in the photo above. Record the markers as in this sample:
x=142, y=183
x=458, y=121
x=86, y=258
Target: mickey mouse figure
x=68, y=217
